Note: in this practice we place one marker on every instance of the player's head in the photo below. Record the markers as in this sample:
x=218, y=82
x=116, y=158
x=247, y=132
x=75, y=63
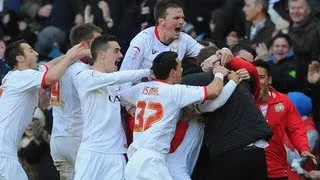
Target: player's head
x=169, y=17
x=166, y=66
x=265, y=77
x=20, y=54
x=203, y=59
x=84, y=33
x=244, y=51
x=105, y=51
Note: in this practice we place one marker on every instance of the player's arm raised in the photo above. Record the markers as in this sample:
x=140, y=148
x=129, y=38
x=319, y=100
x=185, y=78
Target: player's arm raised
x=215, y=87
x=55, y=72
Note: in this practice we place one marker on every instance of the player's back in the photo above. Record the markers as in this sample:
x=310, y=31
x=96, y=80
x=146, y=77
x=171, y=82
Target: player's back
x=18, y=99
x=67, y=117
x=158, y=109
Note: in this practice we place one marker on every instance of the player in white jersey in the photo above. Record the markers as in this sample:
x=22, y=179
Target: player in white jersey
x=19, y=98
x=165, y=36
x=67, y=118
x=159, y=106
x=103, y=145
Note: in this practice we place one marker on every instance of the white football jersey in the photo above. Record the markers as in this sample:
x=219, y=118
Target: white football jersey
x=100, y=105
x=18, y=100
x=146, y=45
x=158, y=109
x=67, y=118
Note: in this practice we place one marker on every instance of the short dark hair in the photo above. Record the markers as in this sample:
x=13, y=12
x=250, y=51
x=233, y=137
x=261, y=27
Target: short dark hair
x=243, y=46
x=164, y=63
x=83, y=32
x=205, y=53
x=263, y=64
x=12, y=51
x=160, y=9
x=101, y=43
x=281, y=35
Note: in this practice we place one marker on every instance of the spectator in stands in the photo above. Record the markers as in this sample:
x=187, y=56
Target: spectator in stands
x=260, y=28
x=303, y=32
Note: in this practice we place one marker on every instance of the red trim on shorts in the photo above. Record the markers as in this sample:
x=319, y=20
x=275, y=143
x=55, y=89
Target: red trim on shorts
x=205, y=94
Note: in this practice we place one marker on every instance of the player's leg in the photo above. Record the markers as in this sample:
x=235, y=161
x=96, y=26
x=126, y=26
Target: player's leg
x=94, y=165
x=64, y=153
x=148, y=165
x=11, y=169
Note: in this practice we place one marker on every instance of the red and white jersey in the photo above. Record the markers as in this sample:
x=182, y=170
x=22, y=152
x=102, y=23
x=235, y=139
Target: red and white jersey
x=146, y=45
x=158, y=110
x=18, y=100
x=100, y=105
x=67, y=118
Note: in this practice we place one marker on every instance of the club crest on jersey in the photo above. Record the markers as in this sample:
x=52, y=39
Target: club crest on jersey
x=279, y=107
x=134, y=53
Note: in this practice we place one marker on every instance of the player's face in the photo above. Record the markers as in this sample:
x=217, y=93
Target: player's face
x=178, y=73
x=113, y=56
x=265, y=81
x=30, y=56
x=173, y=22
x=280, y=48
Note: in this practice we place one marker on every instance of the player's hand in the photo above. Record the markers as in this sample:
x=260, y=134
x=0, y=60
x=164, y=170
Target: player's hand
x=132, y=111
x=307, y=154
x=313, y=72
x=225, y=56
x=234, y=77
x=243, y=74
x=78, y=51
x=220, y=69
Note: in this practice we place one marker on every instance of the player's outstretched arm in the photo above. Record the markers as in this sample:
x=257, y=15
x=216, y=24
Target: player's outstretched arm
x=215, y=87
x=225, y=94
x=55, y=72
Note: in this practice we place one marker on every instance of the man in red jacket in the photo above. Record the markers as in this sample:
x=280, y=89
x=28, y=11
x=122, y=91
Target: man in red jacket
x=283, y=118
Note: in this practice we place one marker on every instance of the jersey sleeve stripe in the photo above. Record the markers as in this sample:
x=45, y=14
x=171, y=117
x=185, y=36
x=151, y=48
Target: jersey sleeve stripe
x=43, y=81
x=205, y=94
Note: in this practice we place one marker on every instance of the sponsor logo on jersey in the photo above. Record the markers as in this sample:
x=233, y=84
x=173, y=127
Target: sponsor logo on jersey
x=114, y=99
